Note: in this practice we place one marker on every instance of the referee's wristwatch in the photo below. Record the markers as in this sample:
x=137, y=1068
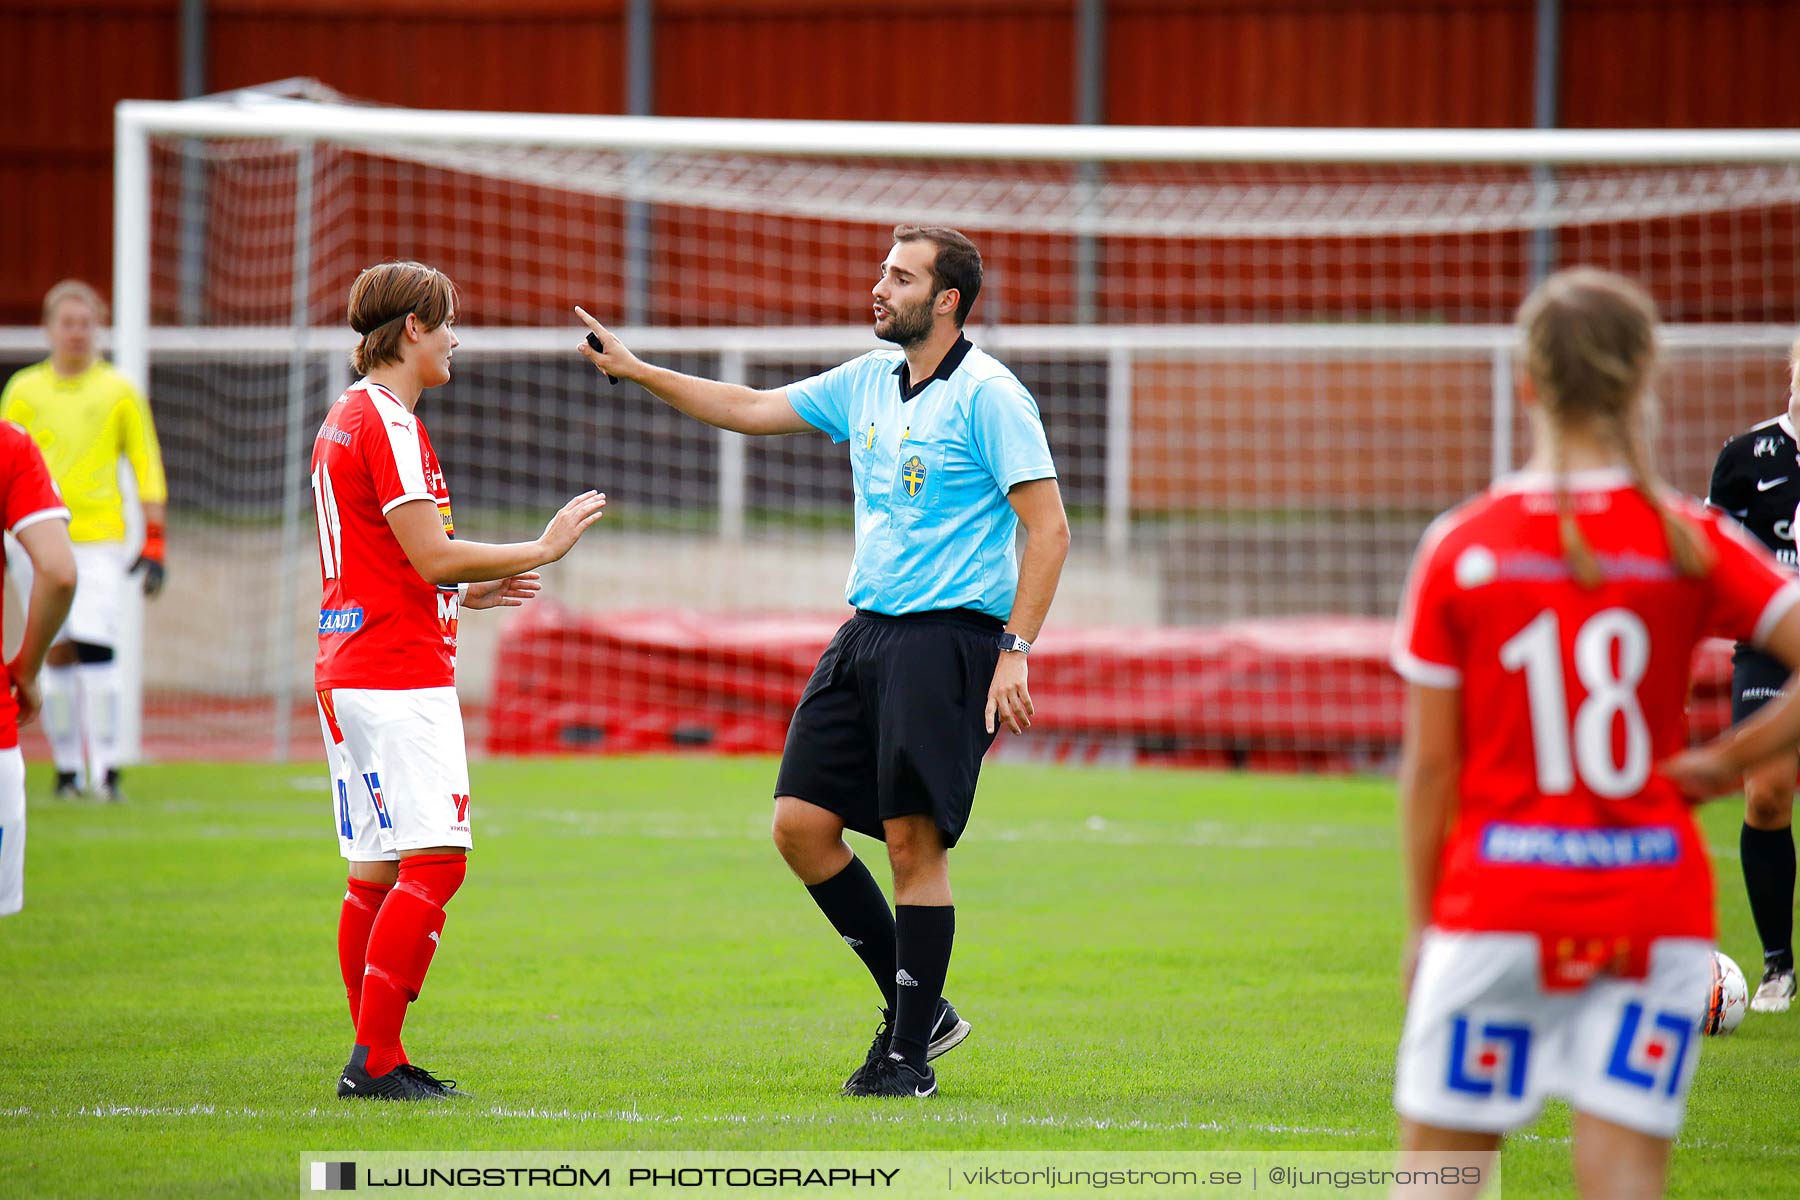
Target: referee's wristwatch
x=1015, y=643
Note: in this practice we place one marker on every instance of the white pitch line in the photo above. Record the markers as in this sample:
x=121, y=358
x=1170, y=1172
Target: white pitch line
x=634, y=1116
x=1092, y=832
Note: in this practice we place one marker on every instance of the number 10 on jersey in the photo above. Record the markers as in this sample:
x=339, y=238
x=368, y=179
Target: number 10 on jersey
x=331, y=530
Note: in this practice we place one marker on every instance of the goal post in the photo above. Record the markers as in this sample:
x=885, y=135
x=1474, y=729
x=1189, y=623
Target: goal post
x=1265, y=358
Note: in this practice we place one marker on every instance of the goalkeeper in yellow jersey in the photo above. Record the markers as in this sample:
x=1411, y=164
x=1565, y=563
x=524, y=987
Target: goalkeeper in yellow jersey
x=85, y=416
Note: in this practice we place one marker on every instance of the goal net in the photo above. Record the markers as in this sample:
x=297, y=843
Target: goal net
x=1265, y=359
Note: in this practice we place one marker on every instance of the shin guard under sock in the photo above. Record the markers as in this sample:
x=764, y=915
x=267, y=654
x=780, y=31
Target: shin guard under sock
x=925, y=934
x=852, y=901
x=401, y=944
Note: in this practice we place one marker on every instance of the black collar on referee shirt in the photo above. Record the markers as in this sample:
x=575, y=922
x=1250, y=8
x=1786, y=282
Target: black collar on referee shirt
x=947, y=367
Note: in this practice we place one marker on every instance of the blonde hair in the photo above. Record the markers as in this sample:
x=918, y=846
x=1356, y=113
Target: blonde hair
x=380, y=300
x=1590, y=349
x=74, y=289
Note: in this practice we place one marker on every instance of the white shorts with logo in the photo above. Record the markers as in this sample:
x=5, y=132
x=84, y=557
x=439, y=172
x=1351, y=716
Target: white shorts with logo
x=1485, y=1044
x=12, y=831
x=399, y=772
x=101, y=572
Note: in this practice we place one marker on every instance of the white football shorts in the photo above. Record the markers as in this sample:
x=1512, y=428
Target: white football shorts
x=12, y=831
x=101, y=573
x=1485, y=1044
x=399, y=771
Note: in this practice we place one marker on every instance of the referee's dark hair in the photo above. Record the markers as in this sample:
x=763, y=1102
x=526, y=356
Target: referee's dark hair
x=957, y=265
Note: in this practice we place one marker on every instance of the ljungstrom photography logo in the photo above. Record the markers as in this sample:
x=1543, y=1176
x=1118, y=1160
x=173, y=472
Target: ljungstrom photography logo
x=333, y=1177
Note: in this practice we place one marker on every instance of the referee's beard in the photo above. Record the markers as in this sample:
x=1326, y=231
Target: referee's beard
x=906, y=327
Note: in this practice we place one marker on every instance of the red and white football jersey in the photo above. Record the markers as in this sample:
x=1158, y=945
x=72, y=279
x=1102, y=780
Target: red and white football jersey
x=1570, y=696
x=27, y=495
x=381, y=624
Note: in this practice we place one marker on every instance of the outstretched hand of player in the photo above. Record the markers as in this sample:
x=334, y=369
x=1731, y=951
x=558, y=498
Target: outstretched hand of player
x=1009, y=699
x=604, y=349
x=26, y=691
x=1702, y=773
x=504, y=593
x=567, y=526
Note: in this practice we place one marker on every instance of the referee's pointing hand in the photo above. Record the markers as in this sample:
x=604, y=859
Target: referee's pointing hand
x=605, y=350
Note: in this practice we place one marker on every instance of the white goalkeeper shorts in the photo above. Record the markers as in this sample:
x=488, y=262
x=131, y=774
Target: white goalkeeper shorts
x=399, y=771
x=101, y=575
x=12, y=831
x=1485, y=1044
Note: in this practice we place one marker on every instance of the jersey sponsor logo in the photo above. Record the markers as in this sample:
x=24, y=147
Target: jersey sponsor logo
x=1494, y=1059
x=444, y=516
x=1475, y=567
x=462, y=807
x=1767, y=447
x=1763, y=485
x=372, y=780
x=331, y=433
x=340, y=620
x=1558, y=846
x=449, y=604
x=1531, y=567
x=1650, y=1055
x=912, y=474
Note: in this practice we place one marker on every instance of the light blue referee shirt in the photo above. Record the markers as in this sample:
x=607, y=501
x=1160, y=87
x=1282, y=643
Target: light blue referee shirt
x=932, y=465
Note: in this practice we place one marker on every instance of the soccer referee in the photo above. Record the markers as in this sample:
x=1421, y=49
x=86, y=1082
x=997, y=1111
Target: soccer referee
x=948, y=457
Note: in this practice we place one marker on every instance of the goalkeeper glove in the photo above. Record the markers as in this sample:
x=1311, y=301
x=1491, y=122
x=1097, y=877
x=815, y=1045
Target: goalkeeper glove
x=150, y=558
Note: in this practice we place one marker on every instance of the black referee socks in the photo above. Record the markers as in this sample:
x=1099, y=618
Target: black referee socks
x=1767, y=856
x=852, y=901
x=925, y=935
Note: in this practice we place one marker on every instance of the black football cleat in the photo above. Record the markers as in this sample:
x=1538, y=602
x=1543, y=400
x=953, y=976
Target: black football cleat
x=947, y=1033
x=67, y=787
x=398, y=1084
x=445, y=1087
x=878, y=1050
x=892, y=1076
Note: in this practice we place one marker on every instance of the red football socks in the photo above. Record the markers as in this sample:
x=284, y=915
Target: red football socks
x=401, y=942
x=362, y=900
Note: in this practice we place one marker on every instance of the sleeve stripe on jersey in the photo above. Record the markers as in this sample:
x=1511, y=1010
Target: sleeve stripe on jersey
x=403, y=441
x=406, y=498
x=1414, y=669
x=42, y=514
x=1773, y=611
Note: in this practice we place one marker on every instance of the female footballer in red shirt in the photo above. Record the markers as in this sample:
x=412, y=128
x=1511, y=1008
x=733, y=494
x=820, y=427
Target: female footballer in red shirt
x=1559, y=897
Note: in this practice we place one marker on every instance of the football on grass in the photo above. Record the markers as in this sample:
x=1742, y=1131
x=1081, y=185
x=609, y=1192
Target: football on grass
x=1728, y=999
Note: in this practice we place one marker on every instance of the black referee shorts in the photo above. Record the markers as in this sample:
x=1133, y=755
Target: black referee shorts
x=1756, y=678
x=893, y=720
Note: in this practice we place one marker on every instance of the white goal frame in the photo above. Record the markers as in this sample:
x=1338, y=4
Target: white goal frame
x=267, y=114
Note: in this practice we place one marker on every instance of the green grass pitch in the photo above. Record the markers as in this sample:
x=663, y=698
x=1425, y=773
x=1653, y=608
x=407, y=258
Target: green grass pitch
x=1150, y=960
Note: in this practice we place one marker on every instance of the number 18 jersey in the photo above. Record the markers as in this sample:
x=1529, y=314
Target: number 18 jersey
x=1570, y=696
x=381, y=624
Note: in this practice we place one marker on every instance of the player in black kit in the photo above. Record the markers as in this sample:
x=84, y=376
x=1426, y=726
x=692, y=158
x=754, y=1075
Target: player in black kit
x=1757, y=480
